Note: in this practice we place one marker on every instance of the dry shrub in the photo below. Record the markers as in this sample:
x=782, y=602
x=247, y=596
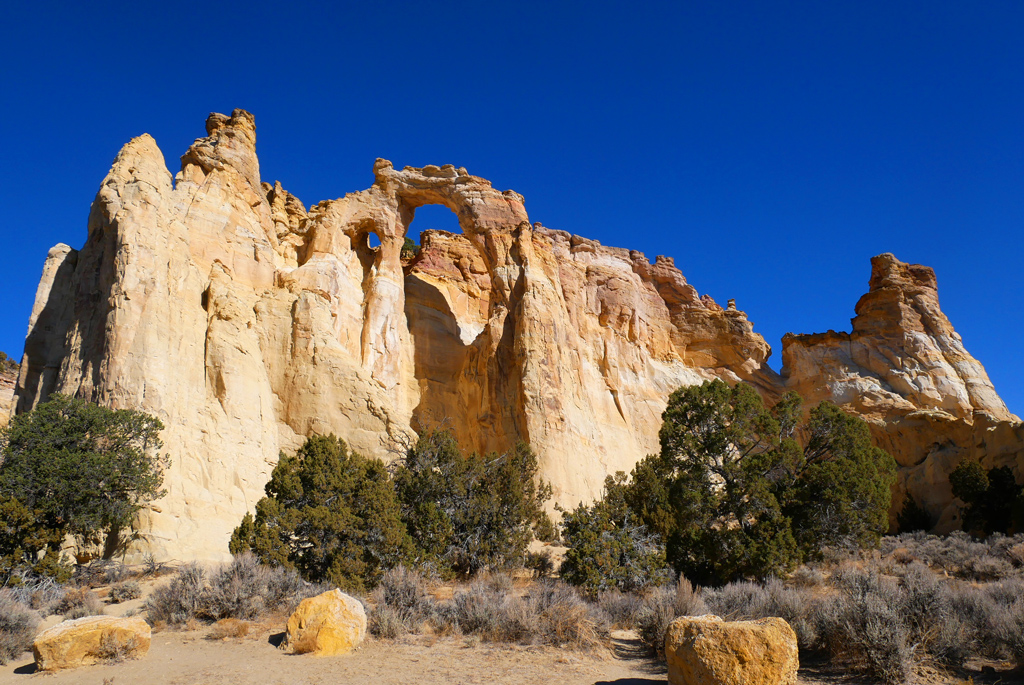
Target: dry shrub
x=179, y=601
x=78, y=603
x=117, y=648
x=664, y=605
x=42, y=593
x=563, y=618
x=401, y=604
x=228, y=627
x=551, y=613
x=17, y=628
x=247, y=589
x=861, y=626
x=623, y=609
x=488, y=610
x=244, y=589
x=808, y=577
x=101, y=572
x=124, y=591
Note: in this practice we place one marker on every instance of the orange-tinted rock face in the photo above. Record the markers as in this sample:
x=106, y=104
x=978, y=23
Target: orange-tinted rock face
x=905, y=370
x=246, y=322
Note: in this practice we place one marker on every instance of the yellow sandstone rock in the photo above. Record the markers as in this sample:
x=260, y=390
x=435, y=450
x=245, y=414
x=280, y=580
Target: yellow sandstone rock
x=326, y=625
x=90, y=640
x=246, y=322
x=705, y=650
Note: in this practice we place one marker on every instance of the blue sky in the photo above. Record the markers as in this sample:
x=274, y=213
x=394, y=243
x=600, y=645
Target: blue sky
x=771, y=148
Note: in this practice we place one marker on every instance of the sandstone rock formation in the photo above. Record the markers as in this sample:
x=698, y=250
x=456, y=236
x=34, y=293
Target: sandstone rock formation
x=90, y=640
x=330, y=624
x=706, y=650
x=8, y=379
x=245, y=323
x=905, y=370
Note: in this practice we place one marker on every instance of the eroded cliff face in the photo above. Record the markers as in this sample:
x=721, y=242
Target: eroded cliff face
x=8, y=379
x=246, y=322
x=905, y=370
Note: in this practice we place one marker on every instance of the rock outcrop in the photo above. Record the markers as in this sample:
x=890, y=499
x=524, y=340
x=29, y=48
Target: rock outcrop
x=706, y=650
x=330, y=624
x=8, y=380
x=90, y=640
x=905, y=370
x=247, y=322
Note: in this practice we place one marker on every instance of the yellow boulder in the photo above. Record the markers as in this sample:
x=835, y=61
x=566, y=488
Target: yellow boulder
x=326, y=625
x=90, y=640
x=705, y=650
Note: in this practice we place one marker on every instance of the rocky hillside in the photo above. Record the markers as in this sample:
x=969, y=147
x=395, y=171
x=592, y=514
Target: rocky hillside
x=246, y=322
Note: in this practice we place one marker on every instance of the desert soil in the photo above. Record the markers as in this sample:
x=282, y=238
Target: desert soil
x=188, y=658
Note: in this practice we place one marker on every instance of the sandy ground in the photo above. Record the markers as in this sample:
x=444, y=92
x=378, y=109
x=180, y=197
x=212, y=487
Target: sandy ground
x=189, y=658
x=186, y=658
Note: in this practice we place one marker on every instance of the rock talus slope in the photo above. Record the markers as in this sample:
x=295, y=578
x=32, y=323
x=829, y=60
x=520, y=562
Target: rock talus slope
x=246, y=322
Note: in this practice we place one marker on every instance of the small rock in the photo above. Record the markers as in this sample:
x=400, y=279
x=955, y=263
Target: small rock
x=90, y=640
x=705, y=650
x=326, y=625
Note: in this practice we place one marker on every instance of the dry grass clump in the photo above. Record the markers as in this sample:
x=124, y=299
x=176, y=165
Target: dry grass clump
x=124, y=591
x=116, y=648
x=78, y=603
x=665, y=604
x=244, y=589
x=17, y=627
x=228, y=628
x=564, y=619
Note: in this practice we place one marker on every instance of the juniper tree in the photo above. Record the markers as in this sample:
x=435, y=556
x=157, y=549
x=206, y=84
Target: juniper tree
x=467, y=512
x=329, y=513
x=79, y=469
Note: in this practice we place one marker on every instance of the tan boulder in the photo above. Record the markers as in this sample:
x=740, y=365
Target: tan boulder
x=705, y=650
x=329, y=624
x=90, y=640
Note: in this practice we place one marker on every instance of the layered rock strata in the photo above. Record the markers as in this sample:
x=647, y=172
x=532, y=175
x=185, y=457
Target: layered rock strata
x=905, y=370
x=246, y=322
x=8, y=380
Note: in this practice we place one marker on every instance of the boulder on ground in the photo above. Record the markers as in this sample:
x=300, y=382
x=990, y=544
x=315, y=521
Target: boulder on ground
x=326, y=625
x=705, y=650
x=90, y=640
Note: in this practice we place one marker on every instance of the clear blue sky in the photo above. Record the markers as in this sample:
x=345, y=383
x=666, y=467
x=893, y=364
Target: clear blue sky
x=771, y=148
